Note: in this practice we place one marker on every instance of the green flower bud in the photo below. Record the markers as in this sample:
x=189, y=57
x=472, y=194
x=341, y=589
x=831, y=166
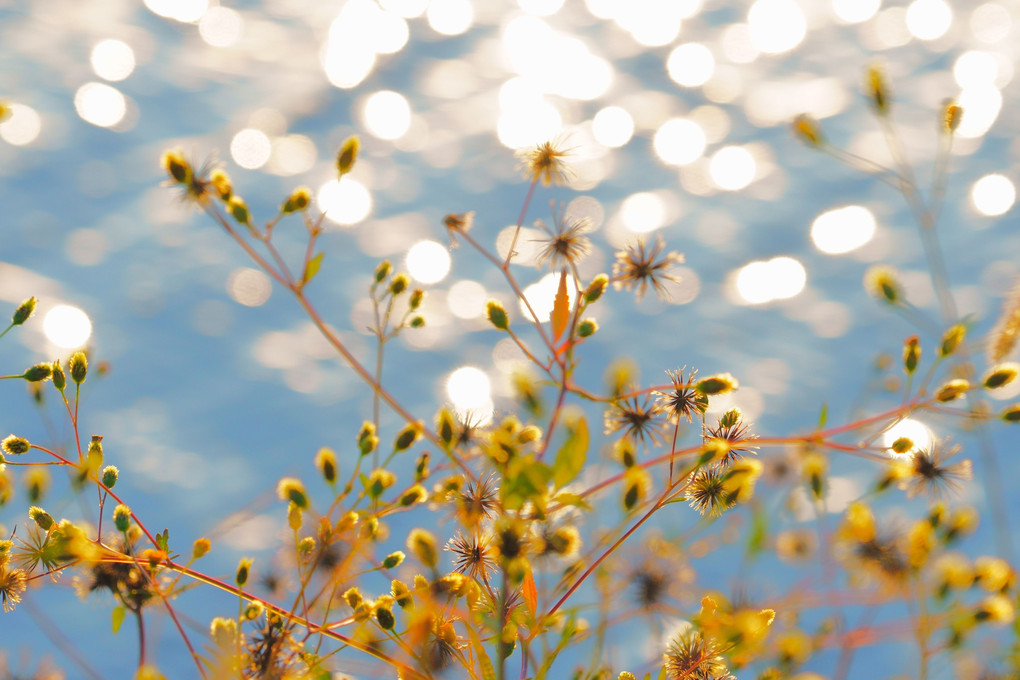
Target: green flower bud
x=13, y=446
x=291, y=489
x=902, y=445
x=23, y=312
x=595, y=289
x=306, y=545
x=1011, y=414
x=953, y=389
x=717, y=384
x=587, y=328
x=79, y=367
x=110, y=476
x=40, y=517
x=423, y=544
x=122, y=517
x=347, y=155
x=497, y=315
x=238, y=209
x=401, y=593
x=59, y=379
x=1001, y=375
x=445, y=427
x=407, y=436
x=952, y=339
x=299, y=200
x=38, y=373
x=367, y=440
x=379, y=480
x=417, y=322
x=384, y=616
x=911, y=354
x=416, y=494
x=417, y=296
x=325, y=462
x=243, y=571
x=881, y=282
x=399, y=284
x=393, y=560
x=421, y=468
x=176, y=166
x=221, y=182
x=730, y=418
x=382, y=271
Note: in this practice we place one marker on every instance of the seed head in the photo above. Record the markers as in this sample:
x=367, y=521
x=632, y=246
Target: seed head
x=13, y=446
x=545, y=162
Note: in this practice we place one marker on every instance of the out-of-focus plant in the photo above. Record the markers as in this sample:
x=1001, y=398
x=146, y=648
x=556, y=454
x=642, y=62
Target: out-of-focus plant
x=523, y=544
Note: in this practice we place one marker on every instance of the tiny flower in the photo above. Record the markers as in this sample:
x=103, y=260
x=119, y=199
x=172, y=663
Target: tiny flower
x=176, y=166
x=14, y=446
x=951, y=339
x=238, y=209
x=393, y=560
x=399, y=284
x=545, y=162
x=416, y=494
x=720, y=383
x=587, y=328
x=38, y=373
x=379, y=480
x=40, y=517
x=58, y=377
x=911, y=354
x=13, y=583
x=952, y=390
x=638, y=266
x=685, y=400
x=639, y=420
x=417, y=297
x=407, y=436
x=200, y=548
x=568, y=244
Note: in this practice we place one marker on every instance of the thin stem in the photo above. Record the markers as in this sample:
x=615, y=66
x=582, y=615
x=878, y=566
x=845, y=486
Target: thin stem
x=520, y=220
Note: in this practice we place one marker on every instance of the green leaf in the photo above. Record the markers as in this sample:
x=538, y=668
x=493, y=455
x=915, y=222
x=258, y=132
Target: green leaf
x=312, y=267
x=823, y=416
x=117, y=617
x=163, y=541
x=524, y=480
x=572, y=455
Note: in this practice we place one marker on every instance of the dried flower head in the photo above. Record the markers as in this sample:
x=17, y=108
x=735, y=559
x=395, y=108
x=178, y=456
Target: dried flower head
x=478, y=501
x=567, y=245
x=638, y=266
x=929, y=473
x=732, y=430
x=640, y=420
x=545, y=162
x=693, y=656
x=708, y=492
x=12, y=585
x=684, y=400
x=473, y=555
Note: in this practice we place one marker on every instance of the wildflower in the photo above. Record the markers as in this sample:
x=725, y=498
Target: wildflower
x=993, y=574
x=720, y=383
x=545, y=162
x=13, y=445
x=692, y=655
x=478, y=500
x=221, y=181
x=734, y=432
x=636, y=484
x=416, y=494
x=243, y=569
x=595, y=289
x=407, y=436
x=881, y=282
x=473, y=555
x=637, y=266
x=78, y=364
x=195, y=184
x=12, y=585
x=568, y=244
x=200, y=547
x=911, y=354
x=458, y=223
x=684, y=401
x=929, y=473
x=996, y=609
x=291, y=489
x=639, y=420
x=708, y=492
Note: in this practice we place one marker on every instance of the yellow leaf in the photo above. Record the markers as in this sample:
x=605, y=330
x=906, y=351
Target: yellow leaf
x=561, y=308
